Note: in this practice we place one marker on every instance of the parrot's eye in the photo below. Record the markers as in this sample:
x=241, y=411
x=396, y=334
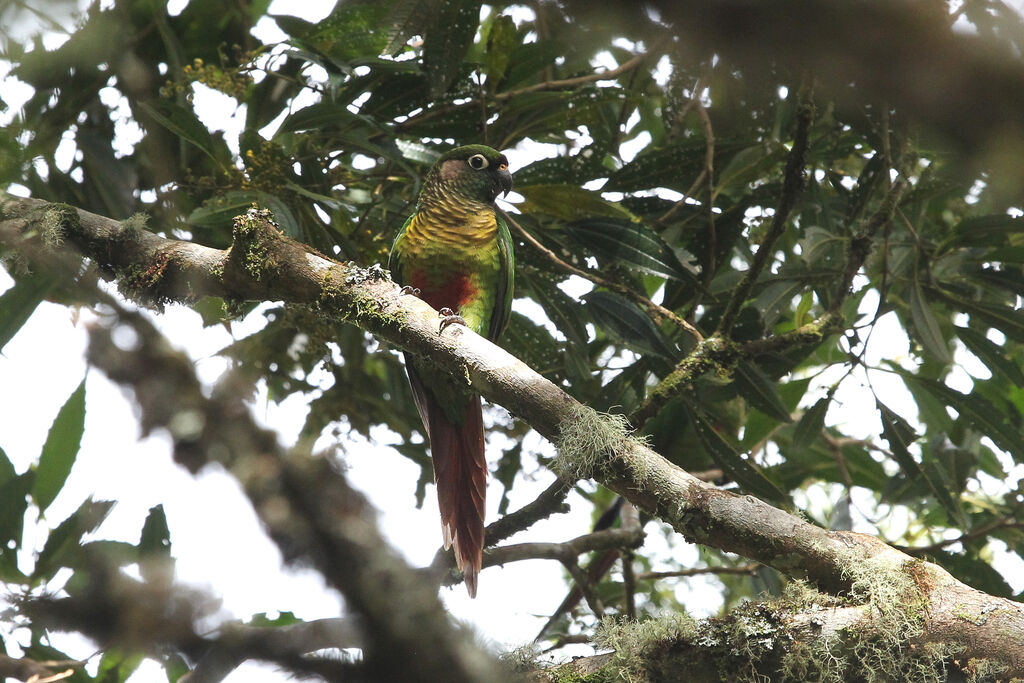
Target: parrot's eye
x=478, y=161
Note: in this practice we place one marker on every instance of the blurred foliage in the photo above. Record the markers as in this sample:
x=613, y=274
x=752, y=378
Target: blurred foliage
x=658, y=182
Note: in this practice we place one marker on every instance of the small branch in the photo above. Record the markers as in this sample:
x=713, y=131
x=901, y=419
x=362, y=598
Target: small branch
x=579, y=80
x=568, y=551
x=630, y=521
x=792, y=186
x=862, y=242
x=549, y=502
x=747, y=569
x=37, y=672
x=658, y=311
x=709, y=175
x=709, y=355
x=586, y=587
x=1007, y=522
x=238, y=643
x=332, y=526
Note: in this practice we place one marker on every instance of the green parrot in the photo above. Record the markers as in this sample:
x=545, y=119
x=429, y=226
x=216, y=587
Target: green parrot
x=455, y=253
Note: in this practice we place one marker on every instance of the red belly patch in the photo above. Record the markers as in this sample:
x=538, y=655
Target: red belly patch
x=455, y=291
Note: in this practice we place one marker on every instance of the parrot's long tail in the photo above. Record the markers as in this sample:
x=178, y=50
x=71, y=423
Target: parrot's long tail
x=460, y=473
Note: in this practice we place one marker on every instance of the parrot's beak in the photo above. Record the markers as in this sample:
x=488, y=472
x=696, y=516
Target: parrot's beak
x=505, y=182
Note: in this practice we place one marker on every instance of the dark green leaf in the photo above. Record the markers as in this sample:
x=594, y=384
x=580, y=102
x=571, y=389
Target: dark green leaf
x=984, y=230
x=183, y=123
x=568, y=202
x=979, y=412
x=446, y=40
x=1007, y=320
x=809, y=428
x=992, y=355
x=630, y=242
x=623, y=320
x=750, y=477
x=926, y=326
x=19, y=302
x=565, y=312
x=63, y=547
x=322, y=116
x=156, y=536
x=974, y=572
x=900, y=435
x=762, y=393
x=60, y=449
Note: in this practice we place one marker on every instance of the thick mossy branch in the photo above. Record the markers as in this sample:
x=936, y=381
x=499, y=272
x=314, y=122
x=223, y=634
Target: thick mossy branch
x=589, y=440
x=869, y=635
x=715, y=355
x=591, y=444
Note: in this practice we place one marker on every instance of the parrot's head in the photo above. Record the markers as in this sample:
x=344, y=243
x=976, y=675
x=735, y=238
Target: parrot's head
x=474, y=172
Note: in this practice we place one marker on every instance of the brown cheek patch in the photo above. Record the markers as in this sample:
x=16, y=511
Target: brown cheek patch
x=450, y=169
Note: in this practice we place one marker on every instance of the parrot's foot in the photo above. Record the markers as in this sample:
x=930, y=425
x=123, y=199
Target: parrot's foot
x=408, y=289
x=449, y=317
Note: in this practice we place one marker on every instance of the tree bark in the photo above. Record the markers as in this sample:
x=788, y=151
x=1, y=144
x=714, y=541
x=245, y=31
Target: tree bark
x=264, y=265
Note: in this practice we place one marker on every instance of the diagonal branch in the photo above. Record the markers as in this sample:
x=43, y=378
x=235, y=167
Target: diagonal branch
x=793, y=181
x=592, y=444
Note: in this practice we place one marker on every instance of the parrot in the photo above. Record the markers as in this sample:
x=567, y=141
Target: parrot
x=455, y=253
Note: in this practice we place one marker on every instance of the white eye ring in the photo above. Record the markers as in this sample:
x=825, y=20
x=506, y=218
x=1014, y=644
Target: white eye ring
x=477, y=161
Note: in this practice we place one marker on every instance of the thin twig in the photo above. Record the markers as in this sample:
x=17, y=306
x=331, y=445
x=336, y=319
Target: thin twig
x=792, y=186
x=579, y=80
x=549, y=502
x=698, y=571
x=1006, y=522
x=657, y=310
x=709, y=175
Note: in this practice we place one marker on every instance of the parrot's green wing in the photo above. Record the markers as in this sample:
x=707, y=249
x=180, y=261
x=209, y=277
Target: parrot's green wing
x=395, y=258
x=503, y=296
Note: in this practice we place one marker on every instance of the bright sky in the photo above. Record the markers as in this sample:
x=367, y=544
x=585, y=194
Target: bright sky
x=216, y=538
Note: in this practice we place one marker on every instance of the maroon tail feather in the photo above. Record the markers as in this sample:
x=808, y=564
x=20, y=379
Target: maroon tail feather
x=460, y=473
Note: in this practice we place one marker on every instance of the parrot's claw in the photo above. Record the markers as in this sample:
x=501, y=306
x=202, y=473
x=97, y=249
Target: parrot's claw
x=449, y=317
x=408, y=289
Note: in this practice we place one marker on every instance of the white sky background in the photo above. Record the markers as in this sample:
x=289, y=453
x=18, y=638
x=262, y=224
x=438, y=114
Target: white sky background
x=215, y=535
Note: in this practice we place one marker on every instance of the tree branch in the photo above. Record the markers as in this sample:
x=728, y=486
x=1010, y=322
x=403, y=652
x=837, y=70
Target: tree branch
x=793, y=182
x=591, y=445
x=657, y=310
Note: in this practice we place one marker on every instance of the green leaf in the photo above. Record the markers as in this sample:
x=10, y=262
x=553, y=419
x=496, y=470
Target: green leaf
x=750, y=477
x=900, y=435
x=926, y=325
x=63, y=545
x=623, y=320
x=19, y=302
x=1009, y=321
x=156, y=536
x=992, y=355
x=564, y=311
x=979, y=412
x=811, y=424
x=7, y=472
x=60, y=449
x=979, y=230
x=446, y=40
x=973, y=571
x=630, y=242
x=116, y=665
x=501, y=41
x=14, y=494
x=762, y=393
x=321, y=116
x=184, y=123
x=568, y=202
